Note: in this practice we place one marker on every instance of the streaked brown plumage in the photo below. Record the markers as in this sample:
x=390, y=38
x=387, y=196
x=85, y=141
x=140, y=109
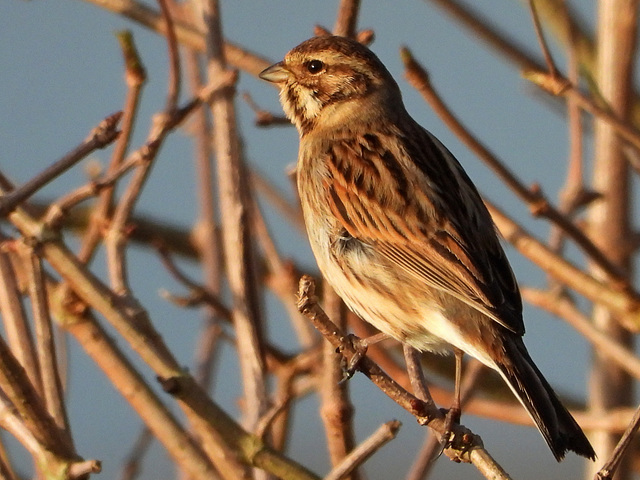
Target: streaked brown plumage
x=398, y=228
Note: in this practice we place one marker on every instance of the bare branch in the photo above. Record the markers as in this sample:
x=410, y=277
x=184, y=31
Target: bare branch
x=47, y=357
x=173, y=92
x=625, y=303
x=347, y=18
x=533, y=197
x=187, y=34
x=466, y=446
x=16, y=325
x=235, y=206
x=604, y=345
x=133, y=462
x=384, y=434
x=101, y=136
x=135, y=77
x=608, y=470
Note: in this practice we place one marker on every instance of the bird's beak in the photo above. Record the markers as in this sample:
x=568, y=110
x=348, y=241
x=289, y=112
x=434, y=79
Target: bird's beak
x=276, y=73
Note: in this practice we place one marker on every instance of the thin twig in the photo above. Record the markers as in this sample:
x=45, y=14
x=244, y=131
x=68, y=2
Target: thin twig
x=187, y=34
x=116, y=236
x=135, y=77
x=533, y=197
x=235, y=206
x=173, y=89
x=133, y=463
x=19, y=390
x=214, y=427
x=384, y=434
x=47, y=357
x=551, y=66
x=128, y=381
x=347, y=18
x=466, y=446
x=281, y=277
x=144, y=156
x=265, y=118
x=606, y=346
x=416, y=375
x=7, y=471
x=559, y=85
x=432, y=445
x=482, y=28
x=290, y=210
x=81, y=469
x=609, y=469
x=207, y=296
x=101, y=136
x=205, y=232
x=336, y=409
x=624, y=303
x=16, y=325
x=573, y=194
x=61, y=207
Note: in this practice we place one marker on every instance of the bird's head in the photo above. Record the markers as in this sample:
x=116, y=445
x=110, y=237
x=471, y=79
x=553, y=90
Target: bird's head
x=328, y=81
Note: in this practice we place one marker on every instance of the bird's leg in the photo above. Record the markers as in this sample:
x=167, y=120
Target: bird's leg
x=360, y=345
x=453, y=415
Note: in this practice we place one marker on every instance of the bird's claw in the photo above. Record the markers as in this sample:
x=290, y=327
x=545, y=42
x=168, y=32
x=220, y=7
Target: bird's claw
x=349, y=366
x=452, y=418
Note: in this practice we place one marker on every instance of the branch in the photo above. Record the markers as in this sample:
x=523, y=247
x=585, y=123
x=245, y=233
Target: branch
x=384, y=434
x=625, y=303
x=347, y=18
x=533, y=197
x=186, y=33
x=235, y=206
x=101, y=136
x=466, y=447
x=214, y=427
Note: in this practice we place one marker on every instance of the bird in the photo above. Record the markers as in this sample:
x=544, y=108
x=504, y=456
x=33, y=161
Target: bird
x=399, y=230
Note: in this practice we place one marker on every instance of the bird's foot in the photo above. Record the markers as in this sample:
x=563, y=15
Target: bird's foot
x=452, y=417
x=359, y=347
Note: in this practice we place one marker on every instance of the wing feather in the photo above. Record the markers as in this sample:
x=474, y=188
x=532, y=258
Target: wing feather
x=439, y=231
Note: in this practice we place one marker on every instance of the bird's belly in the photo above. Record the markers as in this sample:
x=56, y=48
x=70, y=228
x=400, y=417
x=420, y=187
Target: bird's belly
x=383, y=295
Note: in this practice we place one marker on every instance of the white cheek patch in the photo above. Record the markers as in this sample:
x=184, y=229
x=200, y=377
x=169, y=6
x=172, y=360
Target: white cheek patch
x=310, y=103
x=299, y=101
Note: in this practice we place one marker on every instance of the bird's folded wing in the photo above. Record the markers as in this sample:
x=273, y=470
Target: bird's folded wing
x=439, y=254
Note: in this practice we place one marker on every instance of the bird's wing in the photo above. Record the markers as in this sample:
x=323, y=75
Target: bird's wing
x=437, y=227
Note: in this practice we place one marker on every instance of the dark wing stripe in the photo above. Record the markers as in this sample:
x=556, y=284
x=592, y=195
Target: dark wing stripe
x=457, y=253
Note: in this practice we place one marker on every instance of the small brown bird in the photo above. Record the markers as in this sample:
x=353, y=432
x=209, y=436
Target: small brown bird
x=398, y=228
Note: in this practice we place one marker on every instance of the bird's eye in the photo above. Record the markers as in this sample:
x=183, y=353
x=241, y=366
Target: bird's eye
x=315, y=66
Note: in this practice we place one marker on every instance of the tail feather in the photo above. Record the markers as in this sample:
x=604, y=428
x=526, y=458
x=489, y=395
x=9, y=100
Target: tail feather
x=557, y=426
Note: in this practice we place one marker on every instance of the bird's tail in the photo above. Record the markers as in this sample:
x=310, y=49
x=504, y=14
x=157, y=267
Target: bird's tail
x=557, y=426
